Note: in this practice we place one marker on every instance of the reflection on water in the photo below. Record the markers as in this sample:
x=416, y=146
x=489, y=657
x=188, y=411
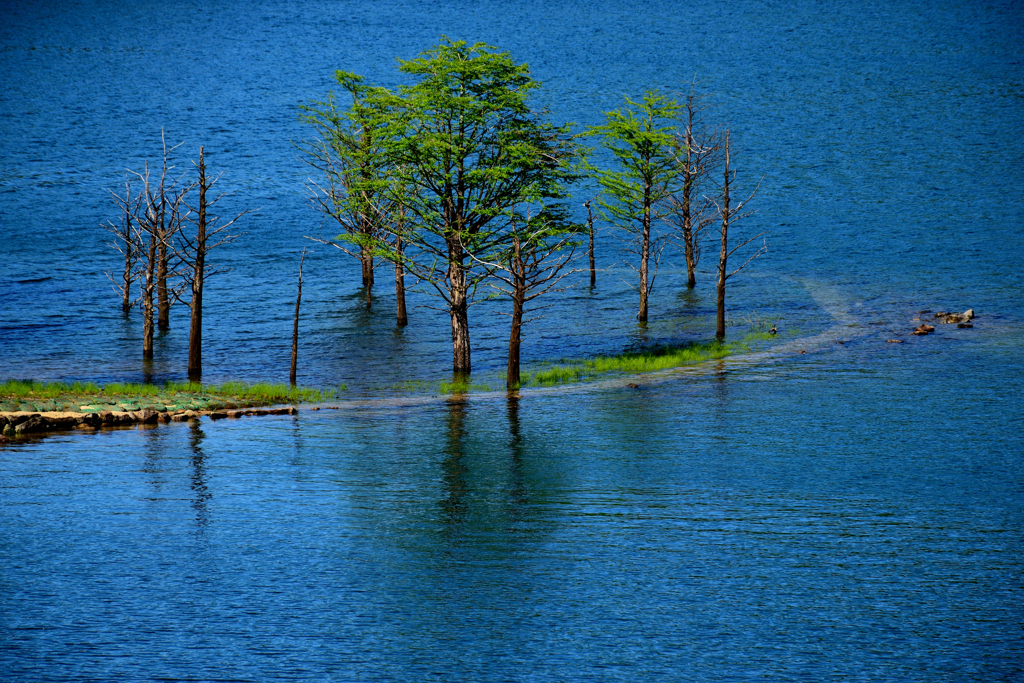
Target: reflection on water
x=198, y=477
x=453, y=467
x=517, y=491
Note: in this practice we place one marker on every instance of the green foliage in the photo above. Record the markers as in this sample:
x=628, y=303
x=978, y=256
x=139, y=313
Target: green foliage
x=644, y=140
x=465, y=142
x=351, y=154
x=634, y=362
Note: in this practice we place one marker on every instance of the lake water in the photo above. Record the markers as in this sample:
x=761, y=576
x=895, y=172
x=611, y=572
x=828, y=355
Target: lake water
x=828, y=507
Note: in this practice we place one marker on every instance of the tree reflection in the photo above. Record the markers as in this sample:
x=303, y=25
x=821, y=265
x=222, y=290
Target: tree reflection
x=453, y=466
x=517, y=496
x=200, y=490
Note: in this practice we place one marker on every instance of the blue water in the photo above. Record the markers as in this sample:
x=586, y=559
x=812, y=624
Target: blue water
x=851, y=512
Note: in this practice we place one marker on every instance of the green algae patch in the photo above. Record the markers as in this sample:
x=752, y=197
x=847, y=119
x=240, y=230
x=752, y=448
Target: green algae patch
x=629, y=363
x=87, y=397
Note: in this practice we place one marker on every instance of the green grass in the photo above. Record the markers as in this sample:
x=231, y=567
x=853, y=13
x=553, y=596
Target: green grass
x=461, y=387
x=261, y=393
x=630, y=363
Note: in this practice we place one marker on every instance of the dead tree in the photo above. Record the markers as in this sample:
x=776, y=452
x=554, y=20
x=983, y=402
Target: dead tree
x=127, y=241
x=533, y=264
x=730, y=215
x=295, y=328
x=691, y=213
x=161, y=215
x=191, y=252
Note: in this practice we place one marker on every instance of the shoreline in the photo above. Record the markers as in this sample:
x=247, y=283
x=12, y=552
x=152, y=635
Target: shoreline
x=15, y=425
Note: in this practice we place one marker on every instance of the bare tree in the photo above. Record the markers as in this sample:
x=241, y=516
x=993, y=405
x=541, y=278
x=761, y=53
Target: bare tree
x=191, y=252
x=731, y=215
x=532, y=265
x=295, y=328
x=698, y=152
x=161, y=214
x=127, y=241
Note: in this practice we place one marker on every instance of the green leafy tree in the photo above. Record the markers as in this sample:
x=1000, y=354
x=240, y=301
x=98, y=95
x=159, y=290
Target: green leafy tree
x=467, y=149
x=643, y=139
x=351, y=155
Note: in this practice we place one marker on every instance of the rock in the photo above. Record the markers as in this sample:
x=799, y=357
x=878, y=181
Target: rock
x=179, y=417
x=35, y=423
x=965, y=326
x=106, y=417
x=633, y=385
x=283, y=411
x=968, y=314
x=217, y=415
x=123, y=418
x=893, y=341
x=165, y=417
x=191, y=415
x=146, y=416
x=3, y=423
x=89, y=420
x=923, y=329
x=236, y=413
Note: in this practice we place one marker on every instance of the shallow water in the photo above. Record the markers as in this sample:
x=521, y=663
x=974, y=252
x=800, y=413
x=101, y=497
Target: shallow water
x=852, y=512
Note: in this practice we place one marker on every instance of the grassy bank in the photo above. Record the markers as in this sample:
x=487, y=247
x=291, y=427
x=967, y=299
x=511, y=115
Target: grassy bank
x=20, y=395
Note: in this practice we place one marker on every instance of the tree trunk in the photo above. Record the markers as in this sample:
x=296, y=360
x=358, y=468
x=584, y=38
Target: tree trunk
x=195, y=330
x=402, y=317
x=645, y=251
x=723, y=255
x=366, y=257
x=512, y=378
x=163, y=303
x=126, y=294
x=295, y=328
x=459, y=308
x=688, y=246
x=590, y=229
x=147, y=300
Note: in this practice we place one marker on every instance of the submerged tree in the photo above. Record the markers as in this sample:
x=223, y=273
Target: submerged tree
x=468, y=148
x=642, y=139
x=730, y=215
x=529, y=266
x=351, y=156
x=127, y=241
x=690, y=210
x=192, y=251
x=162, y=212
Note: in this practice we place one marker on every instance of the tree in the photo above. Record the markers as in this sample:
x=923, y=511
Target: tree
x=690, y=212
x=160, y=218
x=730, y=215
x=127, y=241
x=590, y=248
x=350, y=154
x=642, y=139
x=191, y=252
x=468, y=148
x=532, y=264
